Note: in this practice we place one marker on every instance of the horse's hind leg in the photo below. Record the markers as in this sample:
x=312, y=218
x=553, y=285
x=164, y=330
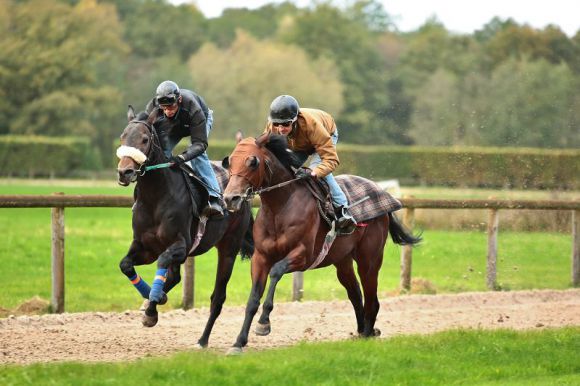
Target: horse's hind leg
x=368, y=272
x=226, y=260
x=276, y=273
x=346, y=277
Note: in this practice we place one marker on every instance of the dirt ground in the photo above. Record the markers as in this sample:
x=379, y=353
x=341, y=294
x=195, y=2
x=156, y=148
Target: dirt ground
x=109, y=337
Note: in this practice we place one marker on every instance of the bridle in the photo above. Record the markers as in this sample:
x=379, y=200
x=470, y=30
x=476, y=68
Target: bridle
x=153, y=141
x=267, y=175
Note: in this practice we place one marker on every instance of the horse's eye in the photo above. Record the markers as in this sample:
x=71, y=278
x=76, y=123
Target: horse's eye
x=145, y=140
x=226, y=163
x=253, y=162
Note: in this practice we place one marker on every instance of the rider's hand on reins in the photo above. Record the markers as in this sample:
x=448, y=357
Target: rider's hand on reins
x=176, y=160
x=304, y=173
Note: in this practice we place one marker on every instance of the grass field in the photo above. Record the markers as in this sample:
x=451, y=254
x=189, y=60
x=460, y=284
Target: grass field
x=474, y=357
x=97, y=238
x=450, y=261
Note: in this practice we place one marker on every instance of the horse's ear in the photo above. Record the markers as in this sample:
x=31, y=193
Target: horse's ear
x=263, y=139
x=152, y=117
x=239, y=136
x=130, y=113
x=226, y=162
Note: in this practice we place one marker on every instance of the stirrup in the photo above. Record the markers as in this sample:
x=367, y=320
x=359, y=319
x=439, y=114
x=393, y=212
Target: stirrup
x=213, y=209
x=345, y=221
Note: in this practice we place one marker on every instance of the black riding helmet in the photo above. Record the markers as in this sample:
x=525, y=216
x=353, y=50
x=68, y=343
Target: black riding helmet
x=283, y=109
x=167, y=93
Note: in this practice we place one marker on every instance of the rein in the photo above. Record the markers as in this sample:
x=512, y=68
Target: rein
x=143, y=170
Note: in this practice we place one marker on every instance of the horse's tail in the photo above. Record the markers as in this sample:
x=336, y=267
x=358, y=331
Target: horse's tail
x=400, y=234
x=247, y=249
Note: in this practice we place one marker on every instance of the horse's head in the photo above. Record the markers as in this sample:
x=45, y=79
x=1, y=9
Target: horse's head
x=255, y=164
x=247, y=166
x=137, y=140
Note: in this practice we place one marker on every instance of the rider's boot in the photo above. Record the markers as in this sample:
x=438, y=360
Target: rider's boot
x=345, y=222
x=214, y=208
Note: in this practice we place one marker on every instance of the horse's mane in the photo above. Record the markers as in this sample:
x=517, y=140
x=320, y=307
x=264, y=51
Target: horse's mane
x=278, y=145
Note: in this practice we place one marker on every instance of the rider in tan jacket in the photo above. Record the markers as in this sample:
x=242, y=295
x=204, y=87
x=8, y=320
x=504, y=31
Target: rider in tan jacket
x=312, y=132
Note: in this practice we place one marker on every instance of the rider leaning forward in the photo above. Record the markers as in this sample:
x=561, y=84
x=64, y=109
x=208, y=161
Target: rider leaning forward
x=183, y=113
x=312, y=132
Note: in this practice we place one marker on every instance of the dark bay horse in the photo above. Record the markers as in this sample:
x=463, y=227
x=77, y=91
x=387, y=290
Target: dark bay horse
x=167, y=225
x=289, y=234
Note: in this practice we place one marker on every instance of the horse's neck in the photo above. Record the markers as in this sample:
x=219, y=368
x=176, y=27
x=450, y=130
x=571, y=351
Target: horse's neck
x=155, y=186
x=295, y=196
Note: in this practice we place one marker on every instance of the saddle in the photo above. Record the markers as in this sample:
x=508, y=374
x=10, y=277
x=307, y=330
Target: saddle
x=320, y=190
x=366, y=199
x=192, y=179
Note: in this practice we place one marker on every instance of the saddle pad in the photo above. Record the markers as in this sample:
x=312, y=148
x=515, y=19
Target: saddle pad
x=221, y=174
x=379, y=202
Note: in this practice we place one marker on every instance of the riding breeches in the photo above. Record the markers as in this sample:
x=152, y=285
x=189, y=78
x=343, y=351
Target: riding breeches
x=338, y=196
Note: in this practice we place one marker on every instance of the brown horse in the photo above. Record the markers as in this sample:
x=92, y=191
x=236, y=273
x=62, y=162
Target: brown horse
x=290, y=233
x=168, y=225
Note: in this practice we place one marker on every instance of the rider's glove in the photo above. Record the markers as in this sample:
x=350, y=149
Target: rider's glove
x=177, y=160
x=303, y=173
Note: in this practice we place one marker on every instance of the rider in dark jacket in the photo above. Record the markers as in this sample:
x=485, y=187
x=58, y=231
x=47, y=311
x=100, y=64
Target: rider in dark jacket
x=182, y=114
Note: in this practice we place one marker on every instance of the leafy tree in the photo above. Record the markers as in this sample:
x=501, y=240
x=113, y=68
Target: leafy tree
x=529, y=103
x=261, y=23
x=156, y=28
x=49, y=78
x=240, y=81
x=345, y=38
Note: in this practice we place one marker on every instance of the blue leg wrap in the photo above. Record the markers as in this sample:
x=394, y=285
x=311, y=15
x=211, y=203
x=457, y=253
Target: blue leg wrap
x=157, y=286
x=141, y=286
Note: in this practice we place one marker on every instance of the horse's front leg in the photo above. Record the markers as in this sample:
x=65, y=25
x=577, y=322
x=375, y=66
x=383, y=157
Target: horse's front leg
x=135, y=256
x=174, y=255
x=276, y=273
x=260, y=269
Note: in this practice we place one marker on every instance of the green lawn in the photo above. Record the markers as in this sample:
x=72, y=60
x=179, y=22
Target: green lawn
x=472, y=357
x=97, y=239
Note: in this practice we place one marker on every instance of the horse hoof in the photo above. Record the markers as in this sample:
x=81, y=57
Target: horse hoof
x=234, y=351
x=150, y=321
x=198, y=347
x=263, y=329
x=163, y=299
x=374, y=333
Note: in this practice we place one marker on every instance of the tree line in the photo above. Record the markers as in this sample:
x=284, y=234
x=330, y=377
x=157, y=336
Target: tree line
x=70, y=67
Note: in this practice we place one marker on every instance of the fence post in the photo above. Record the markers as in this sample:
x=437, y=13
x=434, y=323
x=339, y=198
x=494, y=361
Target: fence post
x=407, y=251
x=492, y=229
x=188, y=283
x=576, y=248
x=297, y=286
x=57, y=258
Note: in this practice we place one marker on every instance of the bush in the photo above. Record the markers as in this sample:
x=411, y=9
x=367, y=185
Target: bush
x=38, y=156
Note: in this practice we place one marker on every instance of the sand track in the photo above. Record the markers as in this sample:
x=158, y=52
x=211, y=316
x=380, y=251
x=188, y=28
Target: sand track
x=109, y=337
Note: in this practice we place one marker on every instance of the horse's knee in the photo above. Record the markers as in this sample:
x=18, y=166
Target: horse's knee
x=127, y=267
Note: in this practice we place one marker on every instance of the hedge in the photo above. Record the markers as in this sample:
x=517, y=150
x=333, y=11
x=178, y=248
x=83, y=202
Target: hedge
x=39, y=156
x=515, y=168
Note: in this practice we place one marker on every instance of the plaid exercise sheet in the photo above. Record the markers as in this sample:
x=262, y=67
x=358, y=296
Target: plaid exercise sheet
x=379, y=202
